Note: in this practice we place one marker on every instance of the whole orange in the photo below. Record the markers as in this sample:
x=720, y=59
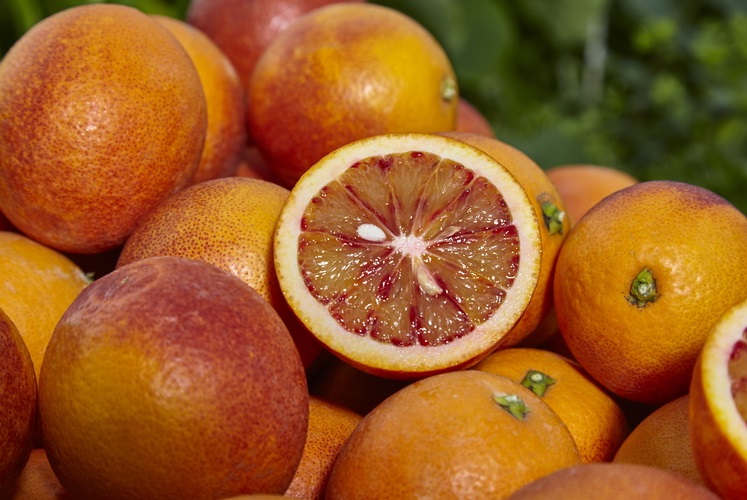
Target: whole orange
x=243, y=29
x=104, y=116
x=641, y=280
x=345, y=72
x=18, y=408
x=662, y=439
x=595, y=420
x=550, y=211
x=225, y=137
x=583, y=186
x=230, y=223
x=37, y=284
x=613, y=481
x=330, y=426
x=471, y=120
x=171, y=378
x=463, y=434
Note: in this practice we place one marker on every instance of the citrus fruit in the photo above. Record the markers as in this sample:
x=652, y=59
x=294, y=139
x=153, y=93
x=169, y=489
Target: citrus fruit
x=718, y=409
x=594, y=419
x=243, y=29
x=471, y=120
x=227, y=222
x=330, y=426
x=104, y=116
x=408, y=254
x=38, y=481
x=225, y=136
x=18, y=408
x=613, y=481
x=341, y=73
x=662, y=439
x=37, y=284
x=583, y=186
x=171, y=378
x=550, y=211
x=463, y=434
x=640, y=281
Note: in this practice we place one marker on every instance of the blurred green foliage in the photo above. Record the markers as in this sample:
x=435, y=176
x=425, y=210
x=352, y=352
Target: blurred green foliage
x=656, y=88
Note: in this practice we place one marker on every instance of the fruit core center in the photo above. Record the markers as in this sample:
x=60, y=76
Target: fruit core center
x=409, y=249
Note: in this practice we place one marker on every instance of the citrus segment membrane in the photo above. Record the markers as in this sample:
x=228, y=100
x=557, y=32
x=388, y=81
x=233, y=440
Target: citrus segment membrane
x=408, y=252
x=738, y=374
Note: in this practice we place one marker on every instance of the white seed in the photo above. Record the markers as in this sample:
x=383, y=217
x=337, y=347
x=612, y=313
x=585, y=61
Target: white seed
x=371, y=232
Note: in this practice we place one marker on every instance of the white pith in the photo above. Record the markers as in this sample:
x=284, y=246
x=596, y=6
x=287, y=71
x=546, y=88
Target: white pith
x=416, y=358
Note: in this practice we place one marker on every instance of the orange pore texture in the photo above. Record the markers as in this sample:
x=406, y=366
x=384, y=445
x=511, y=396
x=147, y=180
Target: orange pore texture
x=692, y=241
x=103, y=116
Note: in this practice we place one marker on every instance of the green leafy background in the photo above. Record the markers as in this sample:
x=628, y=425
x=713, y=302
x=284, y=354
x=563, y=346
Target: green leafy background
x=657, y=88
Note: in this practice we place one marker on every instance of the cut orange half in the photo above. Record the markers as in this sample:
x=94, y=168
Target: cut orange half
x=718, y=406
x=408, y=254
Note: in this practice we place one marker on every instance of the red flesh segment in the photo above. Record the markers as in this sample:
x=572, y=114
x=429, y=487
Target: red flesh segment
x=440, y=256
x=738, y=374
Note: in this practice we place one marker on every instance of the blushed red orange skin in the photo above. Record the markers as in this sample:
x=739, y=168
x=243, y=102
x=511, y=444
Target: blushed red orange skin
x=229, y=223
x=226, y=134
x=242, y=30
x=329, y=427
x=689, y=238
x=345, y=72
x=471, y=120
x=18, y=409
x=613, y=481
x=98, y=129
x=540, y=189
x=38, y=481
x=207, y=388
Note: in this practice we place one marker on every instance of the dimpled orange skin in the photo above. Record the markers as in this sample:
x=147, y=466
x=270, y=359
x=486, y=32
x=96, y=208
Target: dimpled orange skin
x=341, y=73
x=229, y=223
x=171, y=378
x=225, y=138
x=539, y=188
x=330, y=426
x=243, y=29
x=445, y=436
x=102, y=117
x=691, y=239
x=595, y=420
x=37, y=284
x=18, y=409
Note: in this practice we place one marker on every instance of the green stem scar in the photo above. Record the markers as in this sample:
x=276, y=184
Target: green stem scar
x=449, y=90
x=537, y=381
x=643, y=288
x=513, y=404
x=552, y=216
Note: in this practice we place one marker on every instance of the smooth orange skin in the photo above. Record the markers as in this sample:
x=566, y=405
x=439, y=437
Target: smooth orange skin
x=98, y=129
x=243, y=30
x=583, y=186
x=691, y=239
x=345, y=72
x=471, y=120
x=18, y=410
x=230, y=223
x=595, y=420
x=38, y=481
x=662, y=440
x=539, y=188
x=446, y=437
x=171, y=378
x=613, y=481
x=226, y=134
x=37, y=285
x=330, y=426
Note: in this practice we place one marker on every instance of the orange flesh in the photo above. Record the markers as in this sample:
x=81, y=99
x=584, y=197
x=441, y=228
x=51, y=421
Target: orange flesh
x=738, y=375
x=409, y=249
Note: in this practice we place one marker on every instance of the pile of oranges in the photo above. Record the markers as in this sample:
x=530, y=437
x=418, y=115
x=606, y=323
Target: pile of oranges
x=269, y=251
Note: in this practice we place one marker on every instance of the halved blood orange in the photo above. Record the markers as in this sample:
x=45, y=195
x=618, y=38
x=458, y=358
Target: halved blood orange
x=408, y=254
x=718, y=406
